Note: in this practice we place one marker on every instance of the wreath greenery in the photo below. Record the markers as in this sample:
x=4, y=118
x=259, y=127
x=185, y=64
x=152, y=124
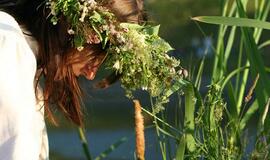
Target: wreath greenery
x=134, y=51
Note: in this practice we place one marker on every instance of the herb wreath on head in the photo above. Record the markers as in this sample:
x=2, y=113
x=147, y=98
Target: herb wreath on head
x=134, y=51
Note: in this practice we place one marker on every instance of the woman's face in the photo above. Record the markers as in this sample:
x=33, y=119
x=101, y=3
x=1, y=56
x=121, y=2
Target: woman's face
x=86, y=62
x=89, y=68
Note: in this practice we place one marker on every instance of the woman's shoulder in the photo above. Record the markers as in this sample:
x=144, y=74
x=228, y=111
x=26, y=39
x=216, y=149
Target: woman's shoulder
x=8, y=24
x=10, y=31
x=12, y=40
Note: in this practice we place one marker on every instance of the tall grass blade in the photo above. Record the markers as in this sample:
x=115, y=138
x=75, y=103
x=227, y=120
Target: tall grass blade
x=105, y=153
x=263, y=12
x=257, y=67
x=84, y=143
x=264, y=44
x=233, y=21
x=230, y=76
x=162, y=121
x=240, y=85
x=228, y=48
x=218, y=71
x=197, y=83
x=256, y=62
x=266, y=108
x=166, y=133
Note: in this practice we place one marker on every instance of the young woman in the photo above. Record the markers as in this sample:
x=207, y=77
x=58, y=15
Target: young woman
x=33, y=48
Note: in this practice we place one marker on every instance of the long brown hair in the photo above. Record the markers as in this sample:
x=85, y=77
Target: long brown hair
x=55, y=50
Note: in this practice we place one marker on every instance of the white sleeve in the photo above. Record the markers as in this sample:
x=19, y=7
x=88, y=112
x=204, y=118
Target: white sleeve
x=20, y=123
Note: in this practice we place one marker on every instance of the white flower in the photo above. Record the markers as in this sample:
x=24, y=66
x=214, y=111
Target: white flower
x=116, y=65
x=71, y=31
x=54, y=22
x=85, y=10
x=172, y=70
x=105, y=27
x=120, y=38
x=117, y=50
x=185, y=73
x=93, y=2
x=144, y=88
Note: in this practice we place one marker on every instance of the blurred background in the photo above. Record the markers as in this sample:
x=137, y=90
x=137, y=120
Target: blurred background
x=110, y=114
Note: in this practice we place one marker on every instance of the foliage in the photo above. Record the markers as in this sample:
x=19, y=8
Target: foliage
x=144, y=56
x=134, y=51
x=214, y=127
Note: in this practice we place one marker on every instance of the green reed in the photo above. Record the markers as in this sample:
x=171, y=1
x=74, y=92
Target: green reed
x=214, y=125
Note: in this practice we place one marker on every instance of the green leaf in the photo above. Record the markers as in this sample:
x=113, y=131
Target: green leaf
x=161, y=44
x=97, y=31
x=78, y=40
x=175, y=87
x=96, y=17
x=104, y=39
x=132, y=26
x=152, y=30
x=233, y=21
x=54, y=20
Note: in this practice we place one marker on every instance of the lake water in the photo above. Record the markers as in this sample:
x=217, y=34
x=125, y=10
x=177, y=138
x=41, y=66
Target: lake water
x=67, y=144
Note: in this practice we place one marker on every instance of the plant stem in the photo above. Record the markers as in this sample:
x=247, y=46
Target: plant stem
x=84, y=143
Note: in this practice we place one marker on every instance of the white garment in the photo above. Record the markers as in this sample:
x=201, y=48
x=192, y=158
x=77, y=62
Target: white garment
x=23, y=133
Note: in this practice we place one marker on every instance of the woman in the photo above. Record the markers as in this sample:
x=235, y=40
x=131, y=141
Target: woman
x=33, y=48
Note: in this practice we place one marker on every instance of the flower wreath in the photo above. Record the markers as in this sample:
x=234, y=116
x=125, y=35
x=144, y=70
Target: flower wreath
x=134, y=51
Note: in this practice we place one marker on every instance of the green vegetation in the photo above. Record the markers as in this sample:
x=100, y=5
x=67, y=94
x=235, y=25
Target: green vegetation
x=215, y=125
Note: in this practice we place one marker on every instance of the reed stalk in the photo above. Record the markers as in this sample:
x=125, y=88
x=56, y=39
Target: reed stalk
x=139, y=129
